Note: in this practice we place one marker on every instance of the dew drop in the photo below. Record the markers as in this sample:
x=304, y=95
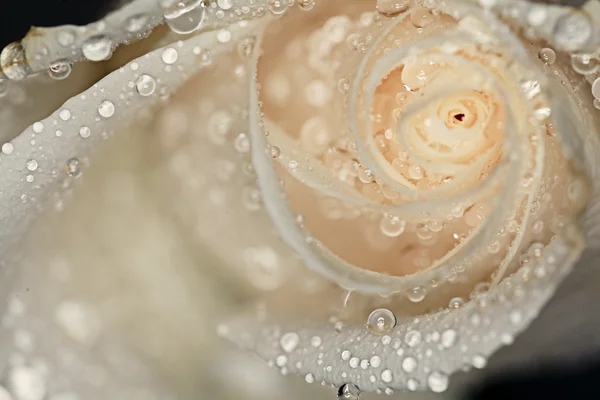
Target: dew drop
x=73, y=167
x=421, y=17
x=242, y=143
x=85, y=132
x=315, y=341
x=437, y=381
x=145, y=85
x=409, y=364
x=448, y=338
x=186, y=17
x=169, y=56
x=38, y=127
x=278, y=7
x=387, y=376
x=456, y=302
x=97, y=48
x=8, y=148
x=106, y=109
x=572, y=31
x=343, y=85
x=59, y=70
x=65, y=38
x=306, y=5
x=27, y=383
x=375, y=361
x=348, y=391
x=412, y=384
x=64, y=115
x=289, y=341
x=246, y=47
x=413, y=338
x=417, y=294
x=13, y=61
x=479, y=361
x=223, y=36
x=225, y=4
x=275, y=151
x=548, y=56
x=381, y=321
x=392, y=226
x=391, y=8
x=584, y=64
x=136, y=23
x=309, y=378
x=31, y=165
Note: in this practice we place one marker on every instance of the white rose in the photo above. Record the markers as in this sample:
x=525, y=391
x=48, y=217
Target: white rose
x=371, y=196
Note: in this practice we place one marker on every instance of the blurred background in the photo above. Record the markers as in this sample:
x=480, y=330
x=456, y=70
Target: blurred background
x=578, y=378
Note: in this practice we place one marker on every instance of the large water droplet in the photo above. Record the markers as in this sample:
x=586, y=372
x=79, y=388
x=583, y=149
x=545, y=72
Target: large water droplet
x=289, y=341
x=106, y=109
x=145, y=85
x=97, y=48
x=278, y=7
x=409, y=364
x=584, y=64
x=548, y=56
x=59, y=70
x=572, y=31
x=437, y=381
x=169, y=56
x=392, y=226
x=348, y=391
x=186, y=16
x=13, y=61
x=381, y=321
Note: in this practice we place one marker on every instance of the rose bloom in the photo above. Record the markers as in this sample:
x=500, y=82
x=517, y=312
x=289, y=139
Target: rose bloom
x=372, y=196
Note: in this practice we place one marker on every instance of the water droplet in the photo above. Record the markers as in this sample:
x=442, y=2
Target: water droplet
x=572, y=31
x=409, y=364
x=448, y=338
x=225, y=4
x=387, y=376
x=392, y=226
x=412, y=338
x=169, y=56
x=145, y=85
x=73, y=167
x=548, y=56
x=242, y=143
x=97, y=48
x=412, y=384
x=59, y=70
x=38, y=127
x=278, y=7
x=106, y=109
x=64, y=114
x=32, y=165
x=584, y=64
x=306, y=5
x=65, y=38
x=417, y=294
x=275, y=151
x=422, y=17
x=136, y=23
x=309, y=378
x=375, y=361
x=343, y=85
x=315, y=341
x=391, y=8
x=381, y=321
x=289, y=341
x=8, y=148
x=13, y=61
x=186, y=16
x=596, y=88
x=479, y=361
x=415, y=172
x=348, y=391
x=246, y=47
x=85, y=132
x=437, y=382
x=27, y=383
x=456, y=302
x=223, y=36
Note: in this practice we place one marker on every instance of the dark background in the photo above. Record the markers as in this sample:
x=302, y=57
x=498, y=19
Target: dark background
x=548, y=382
